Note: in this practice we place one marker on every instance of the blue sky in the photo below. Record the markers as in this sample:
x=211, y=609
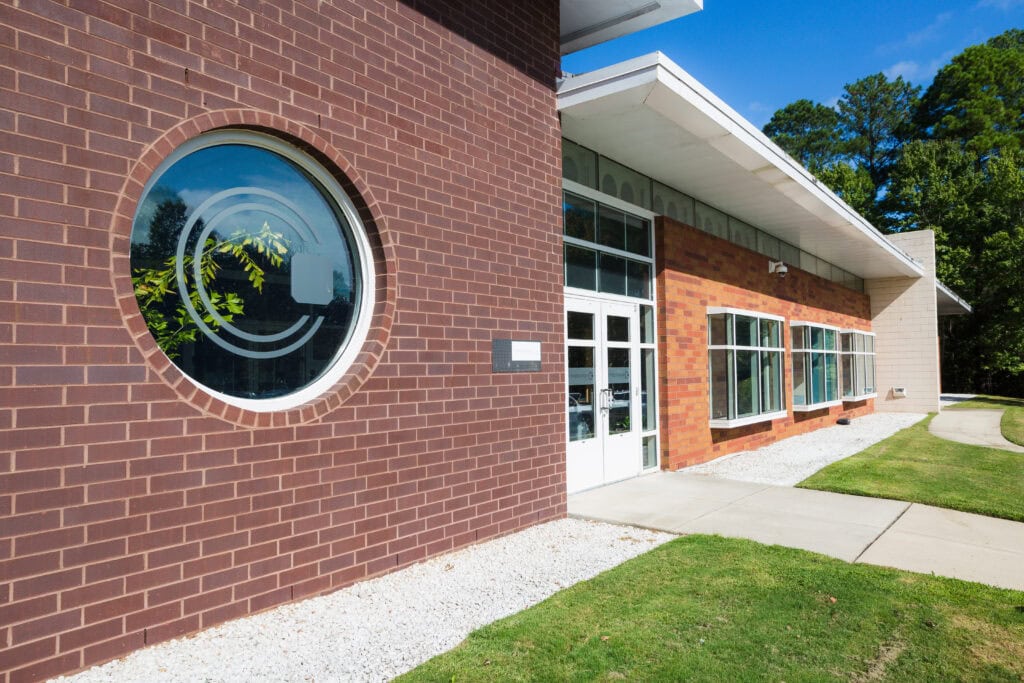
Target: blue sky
x=760, y=55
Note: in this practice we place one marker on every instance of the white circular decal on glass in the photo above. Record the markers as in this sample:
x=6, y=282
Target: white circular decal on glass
x=249, y=266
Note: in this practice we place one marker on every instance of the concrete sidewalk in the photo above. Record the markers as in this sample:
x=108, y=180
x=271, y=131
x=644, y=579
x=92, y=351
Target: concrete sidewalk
x=975, y=427
x=890, y=533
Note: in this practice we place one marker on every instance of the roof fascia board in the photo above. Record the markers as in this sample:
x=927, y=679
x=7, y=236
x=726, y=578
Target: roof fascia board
x=952, y=298
x=656, y=71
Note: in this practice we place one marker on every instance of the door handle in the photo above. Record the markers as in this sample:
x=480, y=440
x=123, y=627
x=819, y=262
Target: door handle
x=606, y=399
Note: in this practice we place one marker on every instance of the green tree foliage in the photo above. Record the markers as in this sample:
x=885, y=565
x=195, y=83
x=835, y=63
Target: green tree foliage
x=952, y=162
x=808, y=132
x=854, y=186
x=157, y=291
x=1013, y=39
x=976, y=208
x=876, y=120
x=978, y=98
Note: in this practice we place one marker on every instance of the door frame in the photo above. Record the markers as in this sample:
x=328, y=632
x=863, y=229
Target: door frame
x=604, y=457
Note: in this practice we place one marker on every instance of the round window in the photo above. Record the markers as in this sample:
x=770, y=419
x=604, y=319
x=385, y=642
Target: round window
x=250, y=267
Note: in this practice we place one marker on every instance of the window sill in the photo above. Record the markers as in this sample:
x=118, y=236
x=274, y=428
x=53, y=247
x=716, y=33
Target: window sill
x=816, y=406
x=744, y=421
x=855, y=399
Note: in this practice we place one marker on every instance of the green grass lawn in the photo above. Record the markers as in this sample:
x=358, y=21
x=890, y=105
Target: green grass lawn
x=915, y=466
x=705, y=608
x=1012, y=424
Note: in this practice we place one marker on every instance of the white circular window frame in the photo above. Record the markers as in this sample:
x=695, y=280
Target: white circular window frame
x=353, y=344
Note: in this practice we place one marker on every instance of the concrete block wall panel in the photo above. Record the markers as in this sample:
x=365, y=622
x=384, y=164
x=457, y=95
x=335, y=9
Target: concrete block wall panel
x=904, y=313
x=133, y=507
x=697, y=270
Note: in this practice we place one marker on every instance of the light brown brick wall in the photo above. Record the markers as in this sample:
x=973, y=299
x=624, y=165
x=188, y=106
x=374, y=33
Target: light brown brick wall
x=697, y=270
x=904, y=313
x=134, y=508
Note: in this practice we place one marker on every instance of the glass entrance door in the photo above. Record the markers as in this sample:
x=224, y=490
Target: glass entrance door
x=603, y=379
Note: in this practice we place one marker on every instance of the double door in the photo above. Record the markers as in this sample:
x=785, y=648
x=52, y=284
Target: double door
x=604, y=396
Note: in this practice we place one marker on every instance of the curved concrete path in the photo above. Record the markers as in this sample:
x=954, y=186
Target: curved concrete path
x=890, y=533
x=975, y=427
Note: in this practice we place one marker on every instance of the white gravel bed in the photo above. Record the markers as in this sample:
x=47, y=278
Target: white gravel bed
x=790, y=461
x=383, y=627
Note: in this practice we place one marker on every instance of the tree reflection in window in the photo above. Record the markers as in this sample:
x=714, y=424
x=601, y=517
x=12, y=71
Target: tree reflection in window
x=244, y=269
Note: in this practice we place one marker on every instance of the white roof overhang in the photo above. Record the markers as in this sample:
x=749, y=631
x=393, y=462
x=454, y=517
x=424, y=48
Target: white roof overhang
x=649, y=114
x=949, y=303
x=588, y=22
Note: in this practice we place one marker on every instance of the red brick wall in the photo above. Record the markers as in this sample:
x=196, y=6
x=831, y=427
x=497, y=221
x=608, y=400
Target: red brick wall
x=697, y=270
x=134, y=508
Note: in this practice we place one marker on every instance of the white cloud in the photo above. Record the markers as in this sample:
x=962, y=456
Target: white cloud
x=909, y=69
x=1004, y=5
x=940, y=61
x=927, y=34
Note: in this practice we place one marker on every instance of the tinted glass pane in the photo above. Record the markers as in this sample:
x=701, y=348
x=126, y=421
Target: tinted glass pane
x=620, y=398
x=849, y=373
x=746, y=331
x=799, y=379
x=720, y=368
x=263, y=288
x=771, y=333
x=825, y=269
x=817, y=378
x=746, y=384
x=712, y=221
x=675, y=205
x=798, y=337
x=789, y=254
x=579, y=164
x=580, y=325
x=638, y=236
x=650, y=451
x=768, y=245
x=831, y=377
x=869, y=377
x=742, y=234
x=719, y=329
x=646, y=324
x=611, y=228
x=846, y=342
x=638, y=279
x=771, y=381
x=817, y=338
x=830, y=340
x=808, y=262
x=862, y=369
x=580, y=267
x=613, y=274
x=648, y=400
x=581, y=392
x=618, y=328
x=624, y=183
x=578, y=217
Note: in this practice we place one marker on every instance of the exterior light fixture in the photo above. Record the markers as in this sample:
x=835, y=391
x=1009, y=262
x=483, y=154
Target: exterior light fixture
x=778, y=267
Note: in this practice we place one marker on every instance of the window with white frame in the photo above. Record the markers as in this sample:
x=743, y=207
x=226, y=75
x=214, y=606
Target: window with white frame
x=858, y=364
x=745, y=352
x=607, y=249
x=815, y=366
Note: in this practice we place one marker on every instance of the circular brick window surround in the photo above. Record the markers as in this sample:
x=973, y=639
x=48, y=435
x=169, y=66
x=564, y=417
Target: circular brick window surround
x=253, y=274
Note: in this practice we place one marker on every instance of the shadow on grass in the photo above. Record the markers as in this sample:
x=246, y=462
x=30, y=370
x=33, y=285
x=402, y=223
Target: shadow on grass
x=918, y=467
x=705, y=608
x=987, y=402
